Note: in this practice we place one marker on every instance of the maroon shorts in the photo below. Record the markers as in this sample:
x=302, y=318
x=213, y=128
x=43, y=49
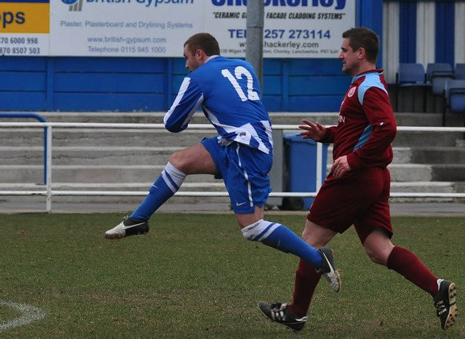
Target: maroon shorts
x=361, y=199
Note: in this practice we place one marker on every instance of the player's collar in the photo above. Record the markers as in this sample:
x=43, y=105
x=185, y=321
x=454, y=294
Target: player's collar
x=211, y=57
x=374, y=70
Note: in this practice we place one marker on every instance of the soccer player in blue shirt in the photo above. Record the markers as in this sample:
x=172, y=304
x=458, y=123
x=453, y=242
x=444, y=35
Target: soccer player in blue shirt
x=242, y=153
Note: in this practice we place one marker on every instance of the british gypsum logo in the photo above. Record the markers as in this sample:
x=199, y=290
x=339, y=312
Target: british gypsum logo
x=74, y=5
x=77, y=7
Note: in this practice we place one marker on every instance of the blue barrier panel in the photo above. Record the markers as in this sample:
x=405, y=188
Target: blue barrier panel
x=39, y=118
x=301, y=165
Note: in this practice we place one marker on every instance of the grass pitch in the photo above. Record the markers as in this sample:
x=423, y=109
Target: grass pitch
x=194, y=276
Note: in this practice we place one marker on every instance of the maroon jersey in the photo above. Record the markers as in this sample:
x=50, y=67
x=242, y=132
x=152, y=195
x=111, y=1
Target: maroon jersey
x=366, y=125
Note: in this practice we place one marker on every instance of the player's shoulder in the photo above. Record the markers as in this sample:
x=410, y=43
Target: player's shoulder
x=223, y=61
x=216, y=62
x=373, y=79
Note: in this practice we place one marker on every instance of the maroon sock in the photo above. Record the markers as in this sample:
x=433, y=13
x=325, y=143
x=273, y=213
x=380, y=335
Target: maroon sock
x=306, y=280
x=406, y=263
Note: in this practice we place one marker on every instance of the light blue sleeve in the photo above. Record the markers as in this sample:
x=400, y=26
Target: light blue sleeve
x=366, y=84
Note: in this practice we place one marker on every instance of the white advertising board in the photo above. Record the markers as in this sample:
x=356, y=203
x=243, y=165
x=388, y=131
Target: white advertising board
x=159, y=28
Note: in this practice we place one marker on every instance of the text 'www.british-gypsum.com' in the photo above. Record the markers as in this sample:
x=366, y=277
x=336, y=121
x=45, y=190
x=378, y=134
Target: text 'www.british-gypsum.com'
x=126, y=40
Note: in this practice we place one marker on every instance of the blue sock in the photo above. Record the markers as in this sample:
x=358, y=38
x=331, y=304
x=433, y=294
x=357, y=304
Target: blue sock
x=166, y=185
x=282, y=238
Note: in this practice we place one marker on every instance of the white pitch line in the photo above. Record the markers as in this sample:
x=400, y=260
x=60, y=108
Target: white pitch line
x=30, y=314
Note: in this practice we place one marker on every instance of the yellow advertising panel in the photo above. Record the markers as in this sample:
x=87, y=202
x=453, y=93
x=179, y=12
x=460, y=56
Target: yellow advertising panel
x=24, y=17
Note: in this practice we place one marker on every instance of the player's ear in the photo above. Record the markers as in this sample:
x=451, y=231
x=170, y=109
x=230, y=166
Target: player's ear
x=361, y=53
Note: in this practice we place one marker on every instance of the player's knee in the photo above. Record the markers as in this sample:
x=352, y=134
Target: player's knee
x=377, y=257
x=177, y=160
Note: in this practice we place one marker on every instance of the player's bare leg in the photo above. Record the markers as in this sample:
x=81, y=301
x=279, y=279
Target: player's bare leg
x=191, y=160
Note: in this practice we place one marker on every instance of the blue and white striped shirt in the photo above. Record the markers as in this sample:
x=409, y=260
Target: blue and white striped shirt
x=228, y=92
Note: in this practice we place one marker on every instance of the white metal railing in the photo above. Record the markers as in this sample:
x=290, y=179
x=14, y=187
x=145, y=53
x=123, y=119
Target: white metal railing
x=49, y=192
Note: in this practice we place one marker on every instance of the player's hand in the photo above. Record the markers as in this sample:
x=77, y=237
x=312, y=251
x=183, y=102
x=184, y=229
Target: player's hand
x=312, y=130
x=340, y=167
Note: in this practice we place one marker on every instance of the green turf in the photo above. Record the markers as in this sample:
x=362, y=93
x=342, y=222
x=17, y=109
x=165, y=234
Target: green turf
x=194, y=276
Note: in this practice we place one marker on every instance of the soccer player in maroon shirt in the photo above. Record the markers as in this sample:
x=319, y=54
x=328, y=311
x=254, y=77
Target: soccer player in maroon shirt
x=356, y=191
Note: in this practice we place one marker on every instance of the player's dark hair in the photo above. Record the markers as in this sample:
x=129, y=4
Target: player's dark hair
x=362, y=37
x=204, y=41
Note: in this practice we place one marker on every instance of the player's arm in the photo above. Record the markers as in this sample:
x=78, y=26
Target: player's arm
x=316, y=131
x=320, y=133
x=379, y=112
x=189, y=98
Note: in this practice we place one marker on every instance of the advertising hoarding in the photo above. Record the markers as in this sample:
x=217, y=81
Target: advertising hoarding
x=158, y=28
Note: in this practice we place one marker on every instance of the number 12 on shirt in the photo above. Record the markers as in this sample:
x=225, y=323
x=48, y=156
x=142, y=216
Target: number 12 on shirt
x=239, y=72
